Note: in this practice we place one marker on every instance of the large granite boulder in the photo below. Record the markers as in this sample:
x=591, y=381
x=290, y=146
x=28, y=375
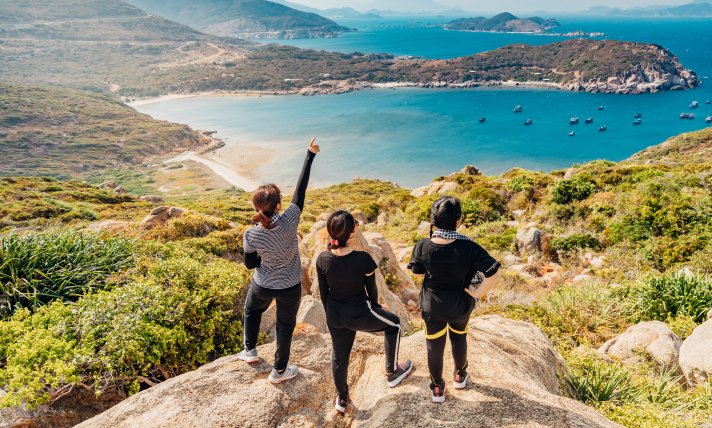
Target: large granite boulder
x=470, y=170
x=441, y=187
x=651, y=337
x=311, y=311
x=513, y=383
x=359, y=216
x=383, y=253
x=529, y=239
x=359, y=243
x=696, y=354
x=420, y=191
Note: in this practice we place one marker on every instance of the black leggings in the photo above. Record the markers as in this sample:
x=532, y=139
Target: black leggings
x=344, y=322
x=436, y=333
x=258, y=300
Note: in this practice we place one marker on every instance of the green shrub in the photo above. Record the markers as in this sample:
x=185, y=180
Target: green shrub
x=188, y=225
x=574, y=242
x=519, y=183
x=595, y=382
x=659, y=297
x=168, y=315
x=573, y=189
x=63, y=264
x=666, y=252
x=370, y=210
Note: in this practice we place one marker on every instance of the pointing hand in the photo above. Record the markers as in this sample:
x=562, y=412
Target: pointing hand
x=314, y=148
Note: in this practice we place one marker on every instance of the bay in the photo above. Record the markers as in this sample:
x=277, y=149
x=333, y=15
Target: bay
x=411, y=135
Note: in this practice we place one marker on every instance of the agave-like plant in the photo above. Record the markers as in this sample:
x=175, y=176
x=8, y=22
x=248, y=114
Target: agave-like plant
x=658, y=297
x=57, y=264
x=599, y=383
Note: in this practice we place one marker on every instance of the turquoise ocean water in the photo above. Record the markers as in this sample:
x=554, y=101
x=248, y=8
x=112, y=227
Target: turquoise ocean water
x=411, y=135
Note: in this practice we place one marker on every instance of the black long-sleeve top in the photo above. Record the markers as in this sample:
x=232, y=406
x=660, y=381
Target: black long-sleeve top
x=348, y=280
x=253, y=259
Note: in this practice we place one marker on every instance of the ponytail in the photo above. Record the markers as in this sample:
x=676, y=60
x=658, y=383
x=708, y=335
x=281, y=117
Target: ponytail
x=263, y=219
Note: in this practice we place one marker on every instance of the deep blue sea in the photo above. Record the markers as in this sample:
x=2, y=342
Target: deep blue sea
x=411, y=135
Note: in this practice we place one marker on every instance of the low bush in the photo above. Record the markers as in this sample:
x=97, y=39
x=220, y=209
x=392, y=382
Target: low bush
x=574, y=242
x=572, y=189
x=167, y=315
x=57, y=264
x=659, y=297
x=188, y=225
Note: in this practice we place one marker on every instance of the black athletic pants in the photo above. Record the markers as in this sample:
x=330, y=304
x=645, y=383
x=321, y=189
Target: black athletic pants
x=436, y=332
x=344, y=322
x=258, y=300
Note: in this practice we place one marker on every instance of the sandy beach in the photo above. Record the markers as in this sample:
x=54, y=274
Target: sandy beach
x=243, y=159
x=145, y=101
x=225, y=172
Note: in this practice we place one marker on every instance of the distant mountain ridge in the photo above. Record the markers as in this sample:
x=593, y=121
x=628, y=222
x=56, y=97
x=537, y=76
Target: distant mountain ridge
x=258, y=19
x=408, y=6
x=696, y=9
x=504, y=23
x=344, y=12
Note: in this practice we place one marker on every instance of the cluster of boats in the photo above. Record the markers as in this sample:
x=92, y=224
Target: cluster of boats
x=636, y=117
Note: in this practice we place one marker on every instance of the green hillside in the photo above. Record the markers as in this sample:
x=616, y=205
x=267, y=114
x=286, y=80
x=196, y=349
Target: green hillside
x=272, y=16
x=63, y=132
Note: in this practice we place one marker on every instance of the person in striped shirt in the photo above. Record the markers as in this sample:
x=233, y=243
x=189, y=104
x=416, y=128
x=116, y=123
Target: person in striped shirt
x=271, y=248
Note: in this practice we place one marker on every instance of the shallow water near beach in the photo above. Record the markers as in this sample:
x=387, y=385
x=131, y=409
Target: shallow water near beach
x=411, y=135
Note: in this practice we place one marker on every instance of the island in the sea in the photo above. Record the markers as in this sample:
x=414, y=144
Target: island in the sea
x=504, y=23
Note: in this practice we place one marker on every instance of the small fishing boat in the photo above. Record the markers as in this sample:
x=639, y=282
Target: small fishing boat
x=574, y=120
x=602, y=128
x=694, y=104
x=600, y=108
x=637, y=122
x=709, y=119
x=637, y=115
x=708, y=102
x=517, y=108
x=528, y=122
x=571, y=134
x=589, y=120
x=691, y=116
x=683, y=115
x=482, y=119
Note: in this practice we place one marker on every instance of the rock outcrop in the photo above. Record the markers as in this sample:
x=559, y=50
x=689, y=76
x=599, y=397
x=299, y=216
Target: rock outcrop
x=383, y=253
x=160, y=215
x=441, y=187
x=513, y=383
x=311, y=311
x=154, y=199
x=650, y=337
x=359, y=243
x=529, y=239
x=696, y=354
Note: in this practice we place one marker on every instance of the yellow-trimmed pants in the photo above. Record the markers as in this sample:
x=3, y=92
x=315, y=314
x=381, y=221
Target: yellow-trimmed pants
x=436, y=333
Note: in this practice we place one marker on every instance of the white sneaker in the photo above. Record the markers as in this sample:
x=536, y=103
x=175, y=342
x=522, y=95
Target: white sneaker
x=438, y=394
x=289, y=373
x=249, y=356
x=460, y=381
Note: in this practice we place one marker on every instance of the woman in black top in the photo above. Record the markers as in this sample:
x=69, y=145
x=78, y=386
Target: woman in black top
x=347, y=284
x=449, y=262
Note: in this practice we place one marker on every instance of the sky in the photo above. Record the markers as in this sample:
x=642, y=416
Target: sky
x=512, y=6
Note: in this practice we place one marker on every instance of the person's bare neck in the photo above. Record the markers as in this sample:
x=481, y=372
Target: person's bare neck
x=342, y=251
x=441, y=241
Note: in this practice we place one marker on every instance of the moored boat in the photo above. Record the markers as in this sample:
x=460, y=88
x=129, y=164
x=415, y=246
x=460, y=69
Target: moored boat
x=708, y=102
x=709, y=119
x=683, y=115
x=517, y=108
x=571, y=134
x=574, y=120
x=691, y=116
x=528, y=122
x=694, y=104
x=637, y=122
x=589, y=120
x=600, y=108
x=482, y=119
x=602, y=128
x=637, y=115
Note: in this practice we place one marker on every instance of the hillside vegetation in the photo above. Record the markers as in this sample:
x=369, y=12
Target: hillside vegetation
x=150, y=305
x=63, y=132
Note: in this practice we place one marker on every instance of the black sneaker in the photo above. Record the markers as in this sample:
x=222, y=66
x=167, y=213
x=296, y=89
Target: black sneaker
x=460, y=380
x=341, y=404
x=438, y=393
x=400, y=374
